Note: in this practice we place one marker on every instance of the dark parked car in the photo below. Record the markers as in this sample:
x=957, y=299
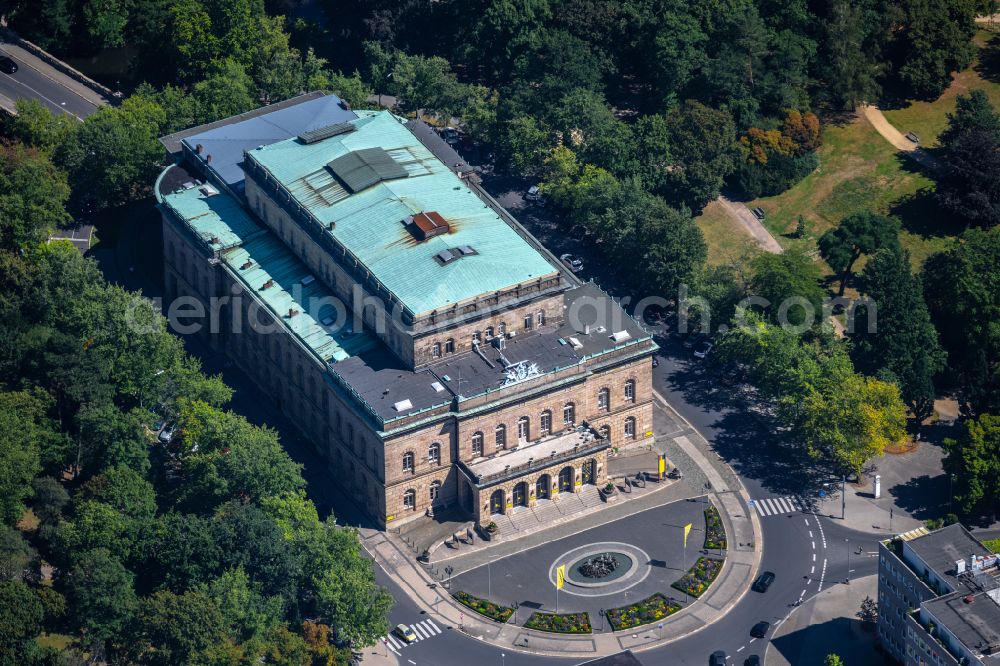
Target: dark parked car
x=763, y=582
x=758, y=212
x=760, y=629
x=718, y=658
x=752, y=660
x=7, y=65
x=913, y=137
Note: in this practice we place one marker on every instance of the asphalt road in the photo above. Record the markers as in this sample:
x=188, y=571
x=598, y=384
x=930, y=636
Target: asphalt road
x=29, y=83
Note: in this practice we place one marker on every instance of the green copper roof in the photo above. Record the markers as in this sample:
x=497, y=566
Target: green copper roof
x=255, y=257
x=369, y=222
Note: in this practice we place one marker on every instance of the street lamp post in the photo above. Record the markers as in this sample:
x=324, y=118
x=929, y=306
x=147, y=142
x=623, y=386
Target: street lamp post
x=489, y=580
x=848, y=542
x=601, y=613
x=516, y=606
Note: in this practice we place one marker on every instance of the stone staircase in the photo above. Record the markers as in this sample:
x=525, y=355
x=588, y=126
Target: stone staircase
x=547, y=512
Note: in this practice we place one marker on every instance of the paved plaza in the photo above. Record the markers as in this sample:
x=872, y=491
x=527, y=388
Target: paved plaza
x=652, y=542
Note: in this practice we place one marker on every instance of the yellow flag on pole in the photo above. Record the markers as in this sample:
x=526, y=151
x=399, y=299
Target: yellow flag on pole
x=662, y=466
x=687, y=530
x=560, y=577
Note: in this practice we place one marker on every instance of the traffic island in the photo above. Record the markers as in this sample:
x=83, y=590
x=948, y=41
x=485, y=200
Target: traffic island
x=649, y=610
x=699, y=577
x=715, y=532
x=484, y=607
x=553, y=623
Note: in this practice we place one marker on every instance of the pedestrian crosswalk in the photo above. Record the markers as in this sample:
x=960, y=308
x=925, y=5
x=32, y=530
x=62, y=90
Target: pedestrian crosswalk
x=423, y=630
x=776, y=506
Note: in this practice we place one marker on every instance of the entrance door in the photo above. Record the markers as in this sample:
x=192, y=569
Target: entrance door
x=542, y=486
x=521, y=494
x=496, y=502
x=587, y=472
x=566, y=479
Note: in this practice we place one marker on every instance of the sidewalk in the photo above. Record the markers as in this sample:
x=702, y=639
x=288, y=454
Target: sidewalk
x=683, y=445
x=882, y=125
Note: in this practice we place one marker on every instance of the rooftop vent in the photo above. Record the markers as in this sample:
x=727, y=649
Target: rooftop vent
x=427, y=225
x=207, y=190
x=453, y=253
x=308, y=280
x=437, y=387
x=360, y=169
x=445, y=256
x=268, y=284
x=620, y=336
x=245, y=265
x=466, y=250
x=403, y=405
x=576, y=343
x=320, y=133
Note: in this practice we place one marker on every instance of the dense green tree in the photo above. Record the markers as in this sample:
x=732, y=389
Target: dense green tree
x=523, y=144
x=101, y=597
x=183, y=553
x=379, y=67
x=246, y=613
x=125, y=490
x=932, y=39
x=681, y=50
x=247, y=537
x=850, y=70
x=109, y=437
x=20, y=621
x=857, y=234
x=502, y=28
x=973, y=461
x=904, y=347
x=558, y=63
x=24, y=427
x=703, y=153
x=34, y=125
x=790, y=282
x=33, y=194
x=50, y=497
x=226, y=91
x=177, y=628
x=962, y=290
x=16, y=556
x=105, y=22
x=969, y=184
x=114, y=155
x=352, y=89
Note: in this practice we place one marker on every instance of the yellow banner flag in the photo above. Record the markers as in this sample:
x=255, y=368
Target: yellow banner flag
x=687, y=530
x=560, y=577
x=663, y=465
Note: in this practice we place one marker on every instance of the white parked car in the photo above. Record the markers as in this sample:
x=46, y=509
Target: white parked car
x=574, y=262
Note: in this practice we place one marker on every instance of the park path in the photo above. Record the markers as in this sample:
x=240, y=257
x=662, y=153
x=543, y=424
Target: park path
x=742, y=216
x=882, y=125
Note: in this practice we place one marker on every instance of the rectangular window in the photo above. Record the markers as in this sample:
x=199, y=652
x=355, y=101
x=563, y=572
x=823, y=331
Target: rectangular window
x=527, y=323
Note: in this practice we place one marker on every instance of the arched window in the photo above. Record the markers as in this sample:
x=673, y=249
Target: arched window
x=630, y=428
x=540, y=318
x=545, y=423
x=605, y=432
x=501, y=436
x=569, y=414
x=523, y=429
x=630, y=390
x=408, y=461
x=436, y=350
x=435, y=490
x=604, y=400
x=410, y=500
x=434, y=454
x=477, y=444
x=477, y=337
x=449, y=346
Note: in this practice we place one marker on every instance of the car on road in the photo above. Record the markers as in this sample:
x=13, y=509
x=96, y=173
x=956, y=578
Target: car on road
x=167, y=434
x=704, y=347
x=574, y=262
x=758, y=212
x=405, y=633
x=760, y=629
x=450, y=135
x=718, y=658
x=534, y=194
x=7, y=65
x=763, y=582
x=912, y=137
x=752, y=660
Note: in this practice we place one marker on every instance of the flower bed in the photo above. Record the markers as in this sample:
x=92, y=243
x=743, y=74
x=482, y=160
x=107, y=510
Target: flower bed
x=569, y=623
x=642, y=612
x=715, y=531
x=493, y=611
x=700, y=576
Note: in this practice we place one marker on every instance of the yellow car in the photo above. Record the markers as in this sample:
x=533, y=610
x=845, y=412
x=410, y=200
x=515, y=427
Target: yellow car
x=405, y=633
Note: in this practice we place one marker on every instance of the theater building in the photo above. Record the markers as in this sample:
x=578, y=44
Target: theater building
x=432, y=350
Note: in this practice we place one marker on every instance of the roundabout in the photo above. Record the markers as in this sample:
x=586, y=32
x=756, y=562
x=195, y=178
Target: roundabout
x=601, y=568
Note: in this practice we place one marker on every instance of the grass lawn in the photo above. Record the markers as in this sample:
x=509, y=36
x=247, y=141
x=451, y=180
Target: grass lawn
x=993, y=544
x=724, y=237
x=858, y=170
x=928, y=119
x=57, y=641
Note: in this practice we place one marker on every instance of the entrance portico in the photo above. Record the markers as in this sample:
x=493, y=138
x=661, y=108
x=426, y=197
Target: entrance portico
x=540, y=470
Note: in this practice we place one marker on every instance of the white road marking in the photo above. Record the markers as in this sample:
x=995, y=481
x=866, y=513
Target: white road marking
x=822, y=576
x=814, y=544
x=812, y=569
x=412, y=662
x=437, y=630
x=751, y=640
x=741, y=649
x=810, y=534
x=814, y=557
x=419, y=631
x=391, y=646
